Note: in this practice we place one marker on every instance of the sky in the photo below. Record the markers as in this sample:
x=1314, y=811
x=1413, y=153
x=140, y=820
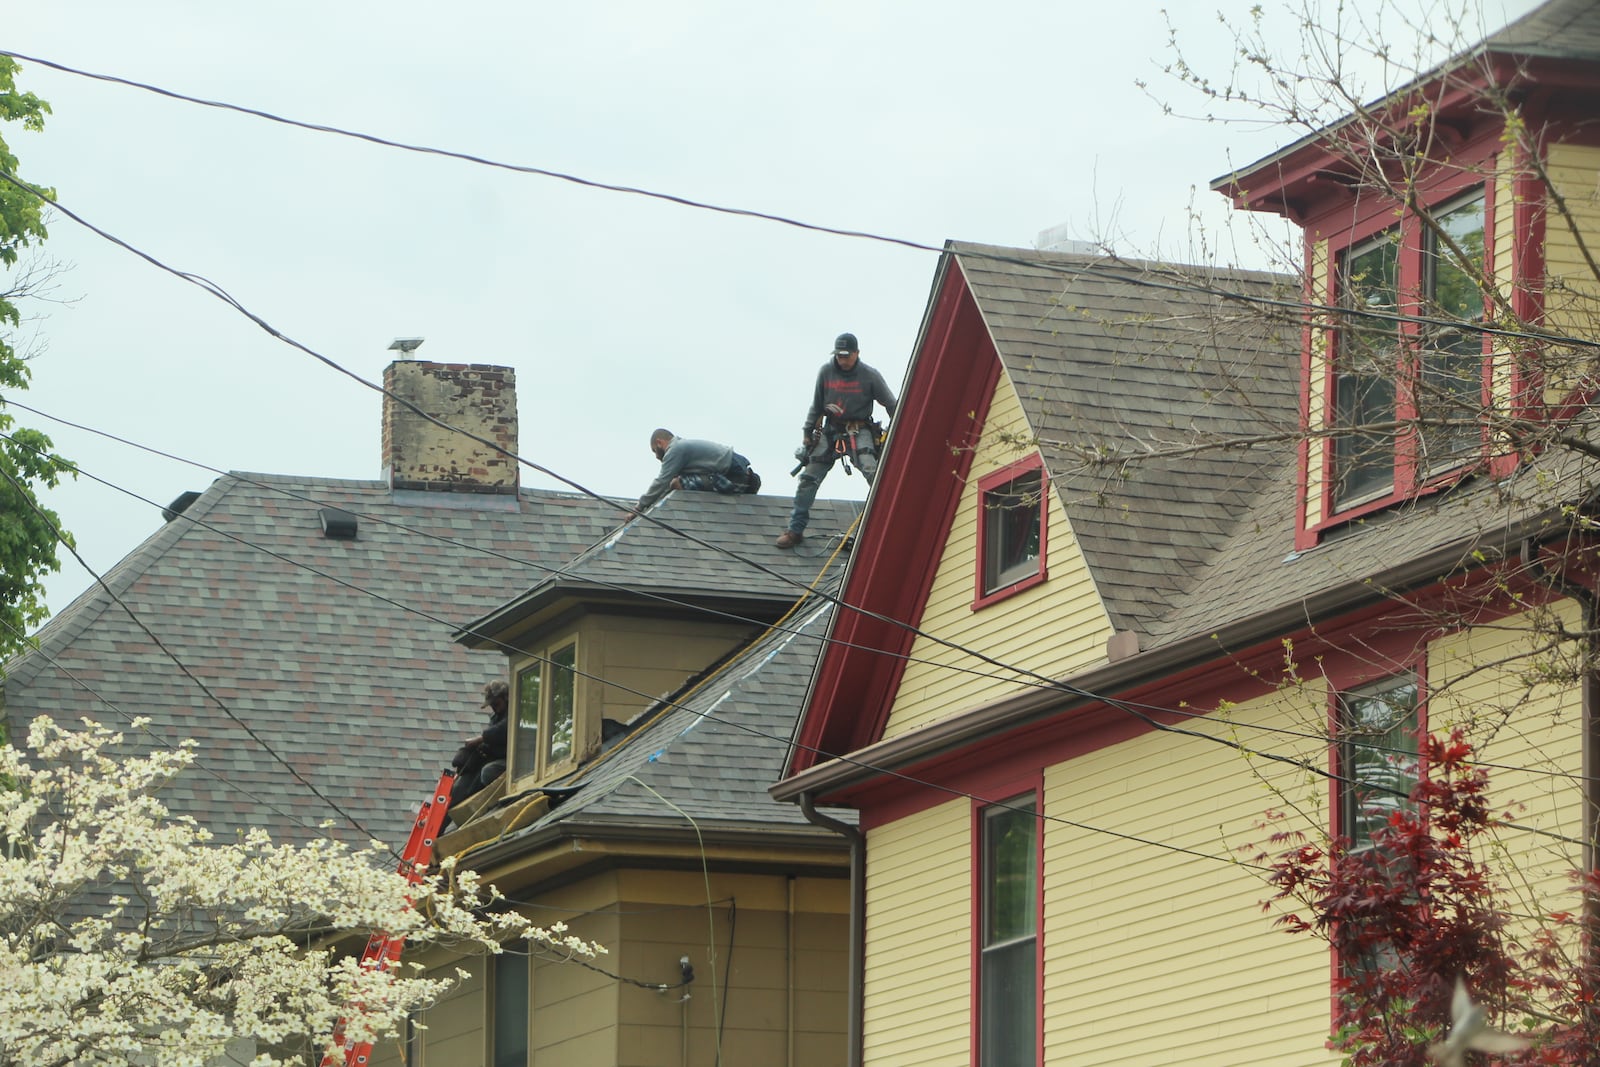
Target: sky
x=923, y=120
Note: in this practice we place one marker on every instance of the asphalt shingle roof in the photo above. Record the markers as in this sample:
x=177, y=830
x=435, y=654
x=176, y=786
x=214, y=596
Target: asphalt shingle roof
x=1562, y=29
x=715, y=754
x=1137, y=357
x=337, y=654
x=702, y=544
x=1183, y=546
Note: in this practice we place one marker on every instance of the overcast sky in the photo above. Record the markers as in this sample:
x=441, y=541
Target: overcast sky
x=924, y=120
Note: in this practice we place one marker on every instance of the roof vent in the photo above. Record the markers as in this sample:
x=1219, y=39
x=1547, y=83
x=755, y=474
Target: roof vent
x=179, y=506
x=1060, y=239
x=337, y=524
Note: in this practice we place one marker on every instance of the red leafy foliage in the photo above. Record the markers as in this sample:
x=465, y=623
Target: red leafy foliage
x=1417, y=908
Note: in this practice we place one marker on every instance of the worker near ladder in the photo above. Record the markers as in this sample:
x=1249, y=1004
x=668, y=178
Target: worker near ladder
x=838, y=426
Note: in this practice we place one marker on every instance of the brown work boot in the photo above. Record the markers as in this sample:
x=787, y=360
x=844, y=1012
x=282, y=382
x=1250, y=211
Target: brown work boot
x=788, y=539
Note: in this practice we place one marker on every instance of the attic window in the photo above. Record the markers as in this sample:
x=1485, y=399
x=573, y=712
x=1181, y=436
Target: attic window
x=337, y=524
x=1011, y=530
x=545, y=720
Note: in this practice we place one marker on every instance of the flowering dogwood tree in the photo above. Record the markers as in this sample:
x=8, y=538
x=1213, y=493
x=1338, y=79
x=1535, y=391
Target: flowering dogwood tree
x=132, y=936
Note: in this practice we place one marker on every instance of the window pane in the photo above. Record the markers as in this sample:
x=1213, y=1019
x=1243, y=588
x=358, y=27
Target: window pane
x=1008, y=976
x=1450, y=389
x=525, y=751
x=1007, y=1028
x=1379, y=746
x=1010, y=872
x=562, y=706
x=1012, y=527
x=511, y=1009
x=1367, y=362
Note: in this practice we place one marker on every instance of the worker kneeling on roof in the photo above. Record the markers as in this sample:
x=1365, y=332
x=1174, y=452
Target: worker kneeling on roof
x=690, y=464
x=482, y=758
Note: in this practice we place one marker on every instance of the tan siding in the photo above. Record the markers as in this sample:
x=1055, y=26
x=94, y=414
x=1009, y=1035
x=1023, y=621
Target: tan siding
x=1057, y=628
x=574, y=1008
x=454, y=1034
x=1155, y=956
x=620, y=658
x=639, y=656
x=779, y=977
x=1502, y=242
x=919, y=941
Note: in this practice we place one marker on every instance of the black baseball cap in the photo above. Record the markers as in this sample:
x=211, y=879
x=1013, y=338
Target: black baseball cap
x=846, y=342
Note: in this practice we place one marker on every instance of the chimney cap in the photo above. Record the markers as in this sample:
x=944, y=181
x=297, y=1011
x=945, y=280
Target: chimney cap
x=405, y=346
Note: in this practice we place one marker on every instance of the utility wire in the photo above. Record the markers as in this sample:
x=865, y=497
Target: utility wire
x=557, y=571
x=66, y=542
x=221, y=294
x=678, y=704
x=1144, y=281
x=1040, y=680
x=156, y=738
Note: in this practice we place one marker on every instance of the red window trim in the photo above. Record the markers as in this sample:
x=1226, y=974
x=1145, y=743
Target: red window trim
x=987, y=484
x=1345, y=681
x=1008, y=792
x=1447, y=184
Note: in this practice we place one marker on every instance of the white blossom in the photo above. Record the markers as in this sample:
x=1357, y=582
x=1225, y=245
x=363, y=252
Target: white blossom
x=128, y=935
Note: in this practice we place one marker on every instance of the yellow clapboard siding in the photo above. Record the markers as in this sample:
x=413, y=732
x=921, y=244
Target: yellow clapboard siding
x=1057, y=628
x=1572, y=288
x=919, y=939
x=1156, y=956
x=1533, y=735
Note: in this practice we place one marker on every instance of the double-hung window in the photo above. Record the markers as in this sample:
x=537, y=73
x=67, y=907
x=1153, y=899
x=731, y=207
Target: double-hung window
x=545, y=726
x=1377, y=750
x=1450, y=374
x=1408, y=373
x=1011, y=530
x=1008, y=950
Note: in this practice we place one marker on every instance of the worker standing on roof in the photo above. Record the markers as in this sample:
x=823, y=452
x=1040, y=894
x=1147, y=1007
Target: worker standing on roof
x=690, y=464
x=838, y=426
x=482, y=758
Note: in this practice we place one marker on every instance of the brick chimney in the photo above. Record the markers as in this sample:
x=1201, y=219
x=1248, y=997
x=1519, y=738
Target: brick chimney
x=474, y=397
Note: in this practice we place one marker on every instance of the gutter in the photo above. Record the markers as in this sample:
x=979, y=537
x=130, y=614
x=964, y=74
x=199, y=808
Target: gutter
x=949, y=735
x=855, y=999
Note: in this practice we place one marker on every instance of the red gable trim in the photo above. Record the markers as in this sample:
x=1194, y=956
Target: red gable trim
x=914, y=499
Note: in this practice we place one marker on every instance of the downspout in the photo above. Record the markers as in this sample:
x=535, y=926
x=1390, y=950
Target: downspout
x=1589, y=688
x=855, y=997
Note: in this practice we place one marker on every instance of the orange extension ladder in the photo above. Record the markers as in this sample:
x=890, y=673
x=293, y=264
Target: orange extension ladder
x=383, y=950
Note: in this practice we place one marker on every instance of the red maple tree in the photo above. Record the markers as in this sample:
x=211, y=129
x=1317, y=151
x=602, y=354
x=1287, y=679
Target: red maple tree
x=1417, y=908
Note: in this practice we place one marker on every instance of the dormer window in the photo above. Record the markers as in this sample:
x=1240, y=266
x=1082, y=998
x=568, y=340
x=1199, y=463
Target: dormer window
x=544, y=729
x=1407, y=382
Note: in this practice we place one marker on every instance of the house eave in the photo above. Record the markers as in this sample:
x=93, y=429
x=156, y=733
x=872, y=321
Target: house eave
x=554, y=852
x=829, y=782
x=557, y=600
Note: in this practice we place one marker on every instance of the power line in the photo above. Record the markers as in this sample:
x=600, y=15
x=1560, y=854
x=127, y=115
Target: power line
x=1040, y=681
x=557, y=571
x=1302, y=306
x=156, y=738
x=66, y=542
x=1045, y=681
x=674, y=704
